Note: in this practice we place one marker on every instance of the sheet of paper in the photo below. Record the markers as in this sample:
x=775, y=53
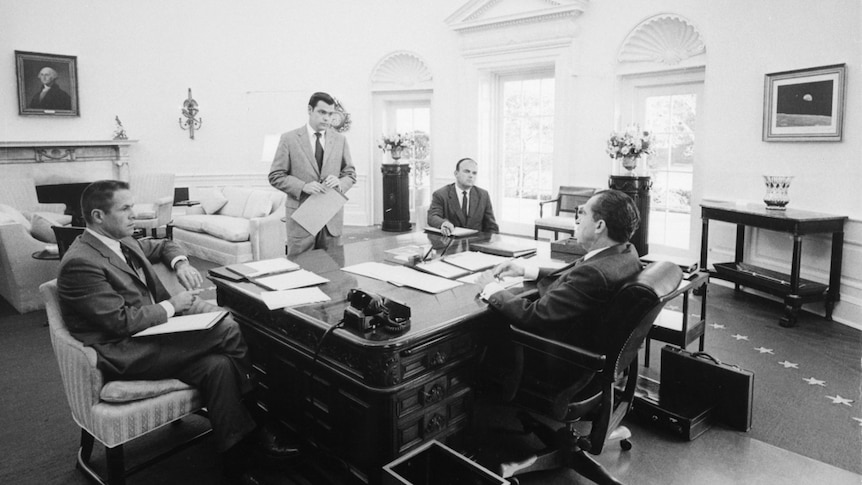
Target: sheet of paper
x=441, y=268
x=507, y=282
x=318, y=209
x=294, y=279
x=403, y=276
x=263, y=267
x=457, y=232
x=474, y=260
x=184, y=323
x=285, y=298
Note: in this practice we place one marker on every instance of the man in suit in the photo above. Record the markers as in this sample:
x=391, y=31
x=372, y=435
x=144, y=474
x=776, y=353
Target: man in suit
x=50, y=96
x=311, y=160
x=573, y=300
x=462, y=204
x=109, y=291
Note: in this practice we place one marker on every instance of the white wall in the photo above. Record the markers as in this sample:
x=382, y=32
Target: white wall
x=252, y=66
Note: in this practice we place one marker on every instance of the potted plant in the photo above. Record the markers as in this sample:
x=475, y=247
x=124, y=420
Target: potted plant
x=629, y=146
x=395, y=144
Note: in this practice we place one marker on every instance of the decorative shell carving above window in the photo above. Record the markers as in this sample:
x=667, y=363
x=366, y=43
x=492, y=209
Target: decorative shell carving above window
x=401, y=70
x=664, y=39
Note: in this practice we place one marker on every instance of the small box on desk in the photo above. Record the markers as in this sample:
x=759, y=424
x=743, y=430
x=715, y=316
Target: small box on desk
x=435, y=463
x=568, y=245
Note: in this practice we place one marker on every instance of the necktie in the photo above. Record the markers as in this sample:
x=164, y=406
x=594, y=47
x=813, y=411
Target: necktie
x=134, y=262
x=464, y=205
x=318, y=151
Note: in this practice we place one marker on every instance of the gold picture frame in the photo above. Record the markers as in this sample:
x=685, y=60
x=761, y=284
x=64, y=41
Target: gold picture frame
x=804, y=104
x=47, y=84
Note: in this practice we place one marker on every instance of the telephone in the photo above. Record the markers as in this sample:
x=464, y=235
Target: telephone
x=368, y=311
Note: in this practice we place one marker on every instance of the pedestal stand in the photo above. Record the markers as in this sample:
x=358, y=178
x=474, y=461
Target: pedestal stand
x=396, y=197
x=638, y=188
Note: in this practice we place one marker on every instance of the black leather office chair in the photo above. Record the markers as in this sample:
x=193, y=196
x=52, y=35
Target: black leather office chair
x=66, y=235
x=570, y=384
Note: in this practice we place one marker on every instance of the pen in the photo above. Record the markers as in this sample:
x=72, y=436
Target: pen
x=428, y=253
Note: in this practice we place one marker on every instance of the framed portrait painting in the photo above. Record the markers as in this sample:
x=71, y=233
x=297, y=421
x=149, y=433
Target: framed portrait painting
x=804, y=105
x=47, y=84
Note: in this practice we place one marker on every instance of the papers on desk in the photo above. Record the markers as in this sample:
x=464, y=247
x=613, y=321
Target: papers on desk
x=403, y=276
x=474, y=261
x=184, y=323
x=441, y=268
x=288, y=281
x=456, y=232
x=511, y=248
x=507, y=282
x=318, y=209
x=286, y=298
x=254, y=269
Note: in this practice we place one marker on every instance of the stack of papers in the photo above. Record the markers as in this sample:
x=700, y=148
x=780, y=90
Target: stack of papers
x=184, y=323
x=507, y=282
x=508, y=248
x=293, y=279
x=264, y=267
x=474, y=261
x=456, y=232
x=442, y=268
x=402, y=276
x=286, y=298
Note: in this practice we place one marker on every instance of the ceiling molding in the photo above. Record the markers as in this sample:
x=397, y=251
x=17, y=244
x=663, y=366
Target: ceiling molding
x=667, y=39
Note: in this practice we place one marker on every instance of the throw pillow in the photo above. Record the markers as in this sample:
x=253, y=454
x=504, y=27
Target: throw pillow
x=126, y=391
x=257, y=205
x=15, y=215
x=41, y=229
x=214, y=204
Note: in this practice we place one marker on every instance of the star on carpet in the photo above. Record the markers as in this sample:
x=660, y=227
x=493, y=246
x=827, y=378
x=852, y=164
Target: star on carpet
x=789, y=365
x=740, y=337
x=815, y=382
x=859, y=420
x=837, y=399
x=764, y=350
x=716, y=326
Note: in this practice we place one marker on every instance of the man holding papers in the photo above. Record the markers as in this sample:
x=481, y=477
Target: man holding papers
x=462, y=204
x=574, y=299
x=310, y=161
x=109, y=291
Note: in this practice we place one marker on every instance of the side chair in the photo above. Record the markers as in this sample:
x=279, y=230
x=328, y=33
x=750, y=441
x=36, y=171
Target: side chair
x=566, y=207
x=115, y=412
x=567, y=384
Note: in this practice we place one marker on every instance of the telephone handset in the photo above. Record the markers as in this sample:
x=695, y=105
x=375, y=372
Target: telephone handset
x=368, y=311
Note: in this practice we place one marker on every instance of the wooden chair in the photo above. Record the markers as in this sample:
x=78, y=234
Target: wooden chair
x=567, y=384
x=567, y=201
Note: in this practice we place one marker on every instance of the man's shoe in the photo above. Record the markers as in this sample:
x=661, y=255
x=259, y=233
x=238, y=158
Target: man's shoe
x=275, y=443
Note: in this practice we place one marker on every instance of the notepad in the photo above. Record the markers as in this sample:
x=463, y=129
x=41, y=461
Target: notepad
x=254, y=269
x=403, y=276
x=442, y=268
x=474, y=260
x=184, y=323
x=294, y=279
x=508, y=248
x=287, y=298
x=316, y=211
x=456, y=232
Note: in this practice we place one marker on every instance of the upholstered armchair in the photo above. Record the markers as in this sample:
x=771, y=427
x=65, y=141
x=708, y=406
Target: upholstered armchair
x=115, y=412
x=154, y=200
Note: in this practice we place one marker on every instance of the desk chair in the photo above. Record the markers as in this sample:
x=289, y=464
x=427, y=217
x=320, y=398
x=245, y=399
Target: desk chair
x=586, y=385
x=66, y=235
x=567, y=201
x=113, y=412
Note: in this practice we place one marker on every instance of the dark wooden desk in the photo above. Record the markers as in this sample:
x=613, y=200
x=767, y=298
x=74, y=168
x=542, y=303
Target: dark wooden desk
x=795, y=290
x=366, y=397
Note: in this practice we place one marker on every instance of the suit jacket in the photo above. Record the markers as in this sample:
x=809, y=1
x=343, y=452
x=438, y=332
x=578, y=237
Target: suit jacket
x=573, y=301
x=104, y=301
x=446, y=206
x=294, y=166
x=55, y=98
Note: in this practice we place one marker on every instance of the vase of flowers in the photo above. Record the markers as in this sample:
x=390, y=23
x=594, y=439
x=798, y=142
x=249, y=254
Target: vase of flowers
x=630, y=146
x=394, y=144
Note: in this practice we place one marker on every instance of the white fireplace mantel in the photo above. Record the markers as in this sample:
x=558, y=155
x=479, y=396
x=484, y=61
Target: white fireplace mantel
x=66, y=161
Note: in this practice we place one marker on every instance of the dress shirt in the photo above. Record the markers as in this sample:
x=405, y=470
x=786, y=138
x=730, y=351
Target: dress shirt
x=312, y=139
x=115, y=246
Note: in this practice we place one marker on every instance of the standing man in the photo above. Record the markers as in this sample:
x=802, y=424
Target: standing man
x=50, y=96
x=311, y=160
x=462, y=204
x=109, y=291
x=573, y=301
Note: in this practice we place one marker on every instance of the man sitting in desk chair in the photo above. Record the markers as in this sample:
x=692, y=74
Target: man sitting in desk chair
x=572, y=299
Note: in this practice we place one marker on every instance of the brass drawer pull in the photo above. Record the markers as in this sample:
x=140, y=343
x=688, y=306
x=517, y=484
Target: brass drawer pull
x=434, y=424
x=433, y=395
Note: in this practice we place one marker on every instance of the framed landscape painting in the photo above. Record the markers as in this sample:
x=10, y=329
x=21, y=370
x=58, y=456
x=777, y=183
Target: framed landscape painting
x=804, y=105
x=47, y=84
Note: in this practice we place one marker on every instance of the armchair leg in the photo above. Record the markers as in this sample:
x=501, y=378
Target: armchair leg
x=116, y=465
x=87, y=441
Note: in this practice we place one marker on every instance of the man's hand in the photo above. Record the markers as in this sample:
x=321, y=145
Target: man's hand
x=183, y=301
x=486, y=277
x=508, y=268
x=446, y=228
x=189, y=277
x=314, y=188
x=332, y=182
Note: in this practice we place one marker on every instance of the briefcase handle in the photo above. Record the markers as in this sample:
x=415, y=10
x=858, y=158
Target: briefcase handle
x=706, y=356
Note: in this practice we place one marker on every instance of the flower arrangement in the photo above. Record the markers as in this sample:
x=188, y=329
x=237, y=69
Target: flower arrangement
x=632, y=143
x=395, y=142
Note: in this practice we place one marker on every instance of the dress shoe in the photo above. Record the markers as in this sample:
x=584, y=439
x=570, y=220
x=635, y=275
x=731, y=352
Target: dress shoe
x=274, y=443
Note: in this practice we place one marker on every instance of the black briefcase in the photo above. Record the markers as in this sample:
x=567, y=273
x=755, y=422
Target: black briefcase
x=701, y=377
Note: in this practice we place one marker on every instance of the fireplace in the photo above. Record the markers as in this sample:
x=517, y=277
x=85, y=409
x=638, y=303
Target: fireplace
x=63, y=162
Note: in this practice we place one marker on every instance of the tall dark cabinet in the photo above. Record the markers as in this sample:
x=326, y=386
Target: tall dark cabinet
x=638, y=188
x=396, y=197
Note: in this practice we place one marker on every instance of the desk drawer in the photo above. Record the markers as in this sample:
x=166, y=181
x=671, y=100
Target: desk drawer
x=434, y=421
x=434, y=354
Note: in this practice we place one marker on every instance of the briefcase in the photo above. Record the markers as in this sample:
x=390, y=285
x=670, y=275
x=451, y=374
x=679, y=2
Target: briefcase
x=699, y=376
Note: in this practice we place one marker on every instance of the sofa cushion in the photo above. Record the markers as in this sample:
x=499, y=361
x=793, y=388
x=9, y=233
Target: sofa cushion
x=41, y=227
x=213, y=204
x=126, y=391
x=15, y=215
x=193, y=222
x=258, y=205
x=234, y=229
x=237, y=198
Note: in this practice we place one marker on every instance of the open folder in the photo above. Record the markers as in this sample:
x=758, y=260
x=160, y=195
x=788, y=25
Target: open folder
x=184, y=323
x=318, y=209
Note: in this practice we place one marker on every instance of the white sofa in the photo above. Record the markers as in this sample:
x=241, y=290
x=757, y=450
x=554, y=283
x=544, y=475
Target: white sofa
x=234, y=225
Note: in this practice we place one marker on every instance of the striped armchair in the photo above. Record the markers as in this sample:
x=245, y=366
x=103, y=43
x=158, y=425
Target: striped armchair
x=115, y=412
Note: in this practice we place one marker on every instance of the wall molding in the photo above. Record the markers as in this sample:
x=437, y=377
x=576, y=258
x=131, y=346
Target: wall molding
x=665, y=39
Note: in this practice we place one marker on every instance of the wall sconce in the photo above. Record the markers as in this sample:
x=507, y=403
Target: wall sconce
x=190, y=111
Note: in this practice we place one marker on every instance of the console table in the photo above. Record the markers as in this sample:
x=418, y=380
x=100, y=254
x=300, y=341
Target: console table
x=795, y=290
